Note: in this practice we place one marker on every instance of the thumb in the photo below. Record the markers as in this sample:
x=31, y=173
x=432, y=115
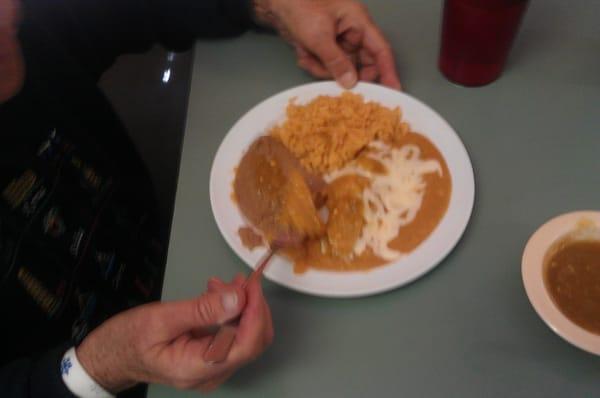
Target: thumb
x=211, y=309
x=336, y=61
x=218, y=306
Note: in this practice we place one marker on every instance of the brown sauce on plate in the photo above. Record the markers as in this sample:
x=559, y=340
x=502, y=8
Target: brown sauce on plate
x=250, y=239
x=344, y=226
x=269, y=179
x=275, y=193
x=435, y=201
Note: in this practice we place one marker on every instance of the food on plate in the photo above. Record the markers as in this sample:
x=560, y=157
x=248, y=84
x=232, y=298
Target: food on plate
x=275, y=193
x=572, y=277
x=351, y=175
x=250, y=238
x=328, y=132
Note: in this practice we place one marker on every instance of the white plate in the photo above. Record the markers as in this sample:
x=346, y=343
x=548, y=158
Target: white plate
x=348, y=284
x=532, y=268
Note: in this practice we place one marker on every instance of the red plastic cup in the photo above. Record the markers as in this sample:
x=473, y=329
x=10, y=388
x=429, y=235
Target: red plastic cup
x=477, y=36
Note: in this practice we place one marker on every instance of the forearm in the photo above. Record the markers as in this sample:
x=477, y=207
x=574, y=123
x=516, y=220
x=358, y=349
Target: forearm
x=183, y=21
x=97, y=31
x=26, y=378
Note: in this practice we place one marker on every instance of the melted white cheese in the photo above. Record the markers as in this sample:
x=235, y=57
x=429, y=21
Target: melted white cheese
x=392, y=200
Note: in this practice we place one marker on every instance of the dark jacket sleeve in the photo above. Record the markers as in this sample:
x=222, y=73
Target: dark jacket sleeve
x=97, y=31
x=40, y=378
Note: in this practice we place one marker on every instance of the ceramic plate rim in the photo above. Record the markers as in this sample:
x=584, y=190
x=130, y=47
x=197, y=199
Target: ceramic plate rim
x=458, y=220
x=532, y=264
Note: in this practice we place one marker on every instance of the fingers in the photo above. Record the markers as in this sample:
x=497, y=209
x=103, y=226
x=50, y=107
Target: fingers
x=368, y=69
x=310, y=64
x=215, y=383
x=337, y=33
x=351, y=40
x=214, y=284
x=370, y=51
x=255, y=328
x=212, y=308
x=185, y=368
x=335, y=61
x=254, y=334
x=378, y=47
x=314, y=67
x=270, y=332
x=174, y=351
x=301, y=52
x=239, y=280
x=369, y=73
x=357, y=25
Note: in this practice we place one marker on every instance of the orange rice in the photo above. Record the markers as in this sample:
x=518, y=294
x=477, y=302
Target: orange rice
x=328, y=132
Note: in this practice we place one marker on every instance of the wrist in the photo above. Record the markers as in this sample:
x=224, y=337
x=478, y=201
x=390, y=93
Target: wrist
x=77, y=379
x=104, y=365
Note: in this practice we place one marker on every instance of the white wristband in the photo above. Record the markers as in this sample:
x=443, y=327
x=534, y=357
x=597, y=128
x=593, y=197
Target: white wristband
x=77, y=380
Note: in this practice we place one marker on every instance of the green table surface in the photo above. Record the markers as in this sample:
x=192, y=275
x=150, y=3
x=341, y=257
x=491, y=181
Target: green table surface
x=466, y=329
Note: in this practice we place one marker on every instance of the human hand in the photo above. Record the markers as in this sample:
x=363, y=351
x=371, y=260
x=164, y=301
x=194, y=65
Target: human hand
x=334, y=38
x=164, y=342
x=12, y=69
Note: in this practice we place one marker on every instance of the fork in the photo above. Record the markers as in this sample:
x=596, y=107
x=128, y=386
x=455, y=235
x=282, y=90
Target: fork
x=218, y=349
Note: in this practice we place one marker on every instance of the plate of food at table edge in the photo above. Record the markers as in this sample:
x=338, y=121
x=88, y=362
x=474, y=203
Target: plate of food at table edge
x=380, y=185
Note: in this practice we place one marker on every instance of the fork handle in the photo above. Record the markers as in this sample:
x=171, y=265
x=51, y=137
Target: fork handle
x=219, y=347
